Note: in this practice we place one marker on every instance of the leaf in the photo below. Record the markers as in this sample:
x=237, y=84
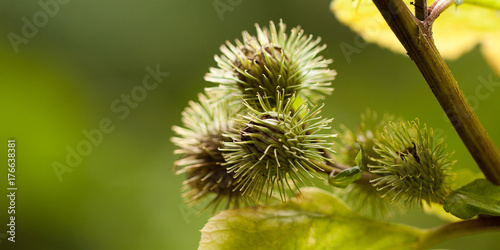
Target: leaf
x=359, y=156
x=345, y=177
x=316, y=220
x=477, y=197
x=493, y=4
x=456, y=31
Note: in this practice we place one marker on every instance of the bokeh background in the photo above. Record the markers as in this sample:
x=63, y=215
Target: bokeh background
x=124, y=194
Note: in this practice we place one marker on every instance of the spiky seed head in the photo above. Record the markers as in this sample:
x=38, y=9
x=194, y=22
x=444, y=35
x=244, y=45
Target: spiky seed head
x=277, y=148
x=412, y=167
x=198, y=143
x=273, y=62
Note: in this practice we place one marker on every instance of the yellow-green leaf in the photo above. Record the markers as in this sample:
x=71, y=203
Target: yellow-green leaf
x=494, y=4
x=456, y=31
x=314, y=220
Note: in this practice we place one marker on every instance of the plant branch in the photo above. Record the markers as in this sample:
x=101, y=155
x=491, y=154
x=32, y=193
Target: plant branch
x=367, y=177
x=421, y=9
x=458, y=229
x=335, y=167
x=435, y=10
x=418, y=42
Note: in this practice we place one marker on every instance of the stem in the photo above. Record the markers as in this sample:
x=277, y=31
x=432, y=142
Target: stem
x=435, y=10
x=417, y=40
x=367, y=177
x=421, y=9
x=458, y=229
x=338, y=167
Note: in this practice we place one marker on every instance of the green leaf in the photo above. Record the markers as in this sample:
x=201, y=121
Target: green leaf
x=345, y=177
x=314, y=220
x=477, y=197
x=359, y=157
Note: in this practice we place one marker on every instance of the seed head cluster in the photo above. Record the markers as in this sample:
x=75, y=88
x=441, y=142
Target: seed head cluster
x=259, y=134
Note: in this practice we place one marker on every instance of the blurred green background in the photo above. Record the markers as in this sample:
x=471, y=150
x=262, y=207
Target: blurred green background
x=124, y=194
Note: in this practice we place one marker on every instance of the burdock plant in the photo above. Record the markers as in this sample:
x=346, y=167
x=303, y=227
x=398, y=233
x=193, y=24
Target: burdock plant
x=278, y=147
x=411, y=166
x=272, y=62
x=198, y=143
x=259, y=134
